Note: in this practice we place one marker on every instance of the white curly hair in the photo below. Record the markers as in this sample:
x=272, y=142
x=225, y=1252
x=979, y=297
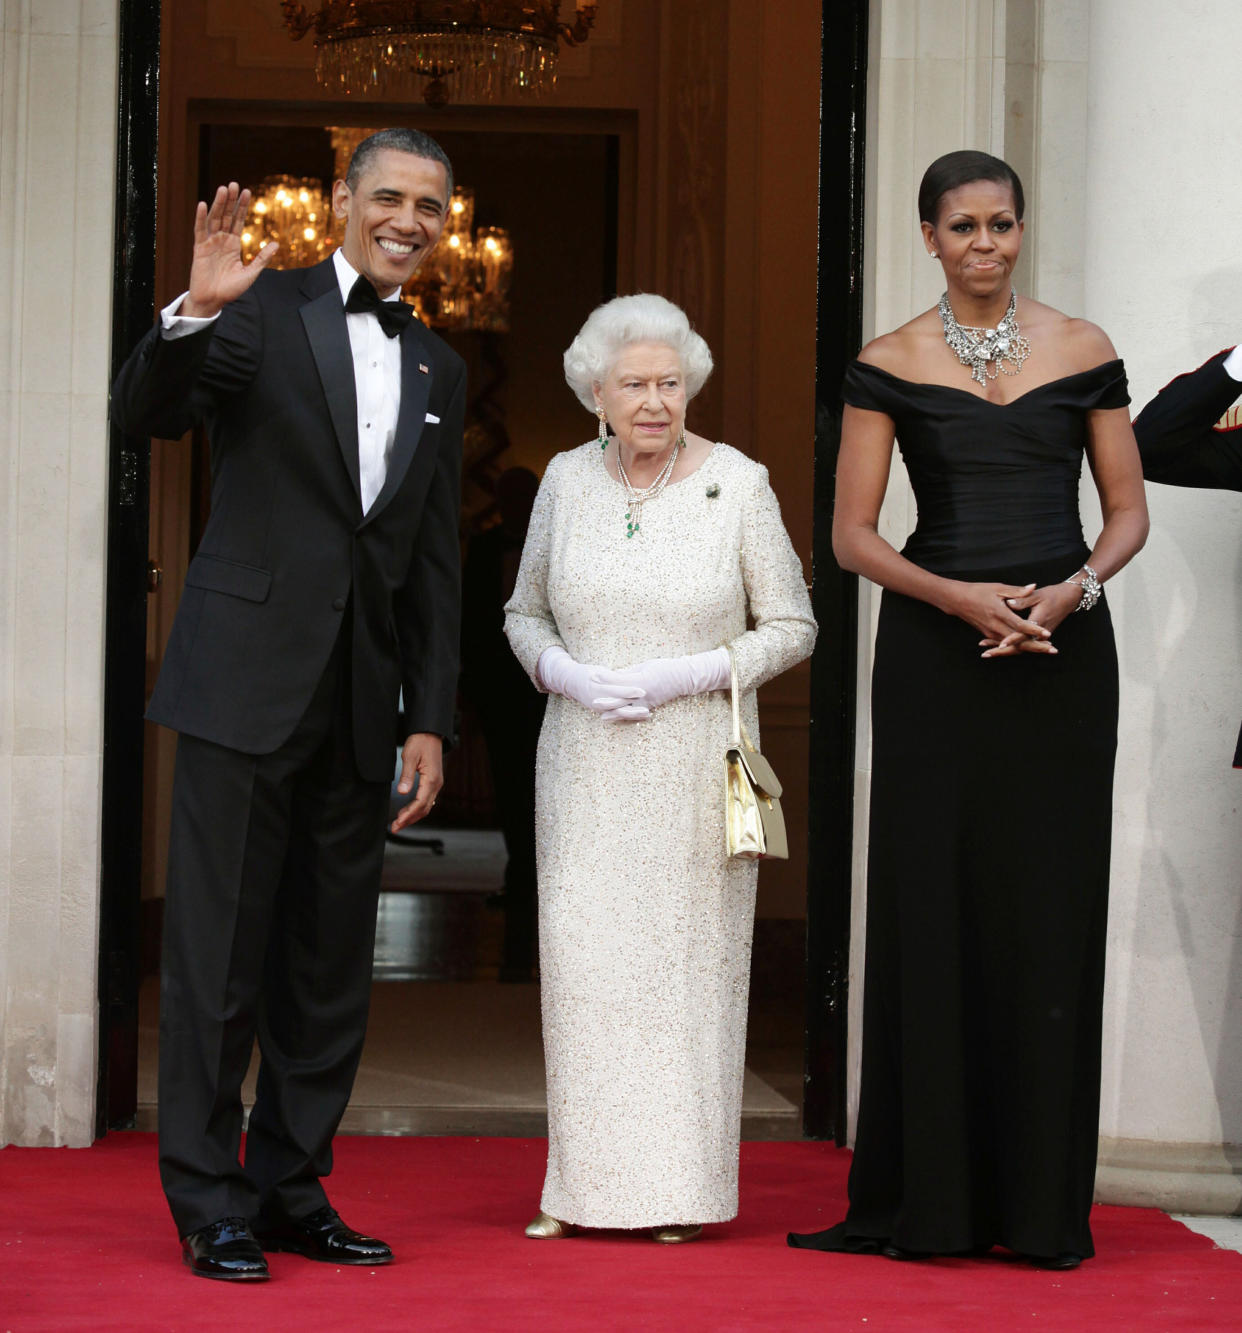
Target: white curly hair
x=623, y=321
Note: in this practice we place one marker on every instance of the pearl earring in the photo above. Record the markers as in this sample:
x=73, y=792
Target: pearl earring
x=603, y=427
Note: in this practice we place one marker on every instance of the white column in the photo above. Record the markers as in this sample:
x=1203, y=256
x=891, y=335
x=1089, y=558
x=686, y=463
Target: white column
x=935, y=83
x=1045, y=94
x=1164, y=278
x=57, y=150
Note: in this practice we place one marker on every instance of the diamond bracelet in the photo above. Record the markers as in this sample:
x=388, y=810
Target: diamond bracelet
x=1091, y=588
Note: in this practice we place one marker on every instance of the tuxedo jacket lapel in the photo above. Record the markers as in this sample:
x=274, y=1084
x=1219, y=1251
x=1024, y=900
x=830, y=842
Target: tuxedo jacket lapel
x=323, y=317
x=416, y=372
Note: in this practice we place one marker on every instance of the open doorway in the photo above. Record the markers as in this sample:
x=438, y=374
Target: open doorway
x=678, y=157
x=454, y=913
x=454, y=1039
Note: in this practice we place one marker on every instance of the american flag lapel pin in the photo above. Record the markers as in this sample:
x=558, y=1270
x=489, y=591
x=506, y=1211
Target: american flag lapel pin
x=423, y=368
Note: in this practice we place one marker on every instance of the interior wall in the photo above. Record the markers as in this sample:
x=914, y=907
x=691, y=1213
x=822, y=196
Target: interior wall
x=717, y=103
x=766, y=371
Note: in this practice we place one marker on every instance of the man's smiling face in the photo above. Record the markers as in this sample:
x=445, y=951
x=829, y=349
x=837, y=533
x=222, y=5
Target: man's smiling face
x=393, y=216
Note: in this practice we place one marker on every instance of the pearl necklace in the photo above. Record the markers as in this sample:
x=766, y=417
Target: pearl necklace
x=635, y=499
x=985, y=351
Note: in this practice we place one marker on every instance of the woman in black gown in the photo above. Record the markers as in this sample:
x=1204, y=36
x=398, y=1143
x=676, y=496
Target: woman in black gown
x=994, y=723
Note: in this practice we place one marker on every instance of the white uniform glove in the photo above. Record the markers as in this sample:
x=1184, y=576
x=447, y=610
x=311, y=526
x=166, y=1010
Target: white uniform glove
x=664, y=678
x=559, y=673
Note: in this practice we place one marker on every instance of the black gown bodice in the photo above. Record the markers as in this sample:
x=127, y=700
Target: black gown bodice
x=996, y=484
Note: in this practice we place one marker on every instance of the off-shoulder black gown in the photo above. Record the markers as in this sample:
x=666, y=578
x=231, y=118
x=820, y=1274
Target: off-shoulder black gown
x=991, y=807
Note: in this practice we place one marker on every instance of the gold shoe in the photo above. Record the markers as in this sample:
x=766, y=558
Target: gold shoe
x=675, y=1235
x=543, y=1227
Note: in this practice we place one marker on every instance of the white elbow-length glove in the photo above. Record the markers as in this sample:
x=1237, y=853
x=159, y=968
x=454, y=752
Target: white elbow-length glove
x=561, y=674
x=662, y=679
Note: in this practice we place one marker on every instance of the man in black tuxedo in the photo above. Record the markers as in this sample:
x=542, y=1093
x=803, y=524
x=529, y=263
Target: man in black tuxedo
x=1188, y=437
x=326, y=582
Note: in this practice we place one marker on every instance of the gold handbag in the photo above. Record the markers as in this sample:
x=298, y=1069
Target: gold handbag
x=754, y=824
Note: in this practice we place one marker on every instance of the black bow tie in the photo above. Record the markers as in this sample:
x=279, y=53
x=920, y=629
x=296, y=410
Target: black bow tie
x=394, y=316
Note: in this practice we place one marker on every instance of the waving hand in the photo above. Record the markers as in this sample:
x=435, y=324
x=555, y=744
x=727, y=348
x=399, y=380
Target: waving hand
x=218, y=275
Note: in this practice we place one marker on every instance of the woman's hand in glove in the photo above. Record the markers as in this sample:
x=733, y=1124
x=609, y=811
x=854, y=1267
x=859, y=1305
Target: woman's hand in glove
x=615, y=702
x=661, y=679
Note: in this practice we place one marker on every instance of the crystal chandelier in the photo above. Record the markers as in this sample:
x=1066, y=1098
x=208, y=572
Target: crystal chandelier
x=295, y=213
x=471, y=50
x=462, y=284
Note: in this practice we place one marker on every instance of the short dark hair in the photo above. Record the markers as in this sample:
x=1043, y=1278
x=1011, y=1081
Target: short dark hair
x=400, y=141
x=953, y=169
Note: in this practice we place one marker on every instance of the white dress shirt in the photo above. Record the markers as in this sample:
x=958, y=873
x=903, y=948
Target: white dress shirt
x=377, y=384
x=377, y=377
x=1233, y=364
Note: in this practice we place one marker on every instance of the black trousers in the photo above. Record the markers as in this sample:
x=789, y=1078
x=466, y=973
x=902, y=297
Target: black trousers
x=269, y=929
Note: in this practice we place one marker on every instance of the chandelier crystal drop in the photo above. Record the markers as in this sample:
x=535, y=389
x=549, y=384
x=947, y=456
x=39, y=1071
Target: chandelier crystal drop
x=441, y=50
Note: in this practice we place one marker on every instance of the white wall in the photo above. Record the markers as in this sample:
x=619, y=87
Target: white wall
x=1164, y=277
x=935, y=82
x=1115, y=113
x=57, y=132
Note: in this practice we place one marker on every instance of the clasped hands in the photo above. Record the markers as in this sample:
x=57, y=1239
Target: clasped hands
x=629, y=695
x=993, y=609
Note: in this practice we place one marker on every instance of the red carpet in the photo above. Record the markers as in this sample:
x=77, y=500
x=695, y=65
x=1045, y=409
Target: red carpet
x=87, y=1244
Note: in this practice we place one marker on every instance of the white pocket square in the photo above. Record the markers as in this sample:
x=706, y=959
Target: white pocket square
x=435, y=420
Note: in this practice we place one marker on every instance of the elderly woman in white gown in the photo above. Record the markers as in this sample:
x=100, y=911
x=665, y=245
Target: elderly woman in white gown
x=648, y=550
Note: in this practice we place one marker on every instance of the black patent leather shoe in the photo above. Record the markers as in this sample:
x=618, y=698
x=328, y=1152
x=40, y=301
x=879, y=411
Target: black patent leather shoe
x=325, y=1237
x=1058, y=1263
x=226, y=1250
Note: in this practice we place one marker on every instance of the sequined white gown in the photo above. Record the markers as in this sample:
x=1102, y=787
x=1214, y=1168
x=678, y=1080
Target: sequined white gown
x=644, y=924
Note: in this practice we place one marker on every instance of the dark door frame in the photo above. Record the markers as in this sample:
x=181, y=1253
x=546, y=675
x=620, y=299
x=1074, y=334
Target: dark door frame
x=843, y=117
x=125, y=627
x=839, y=332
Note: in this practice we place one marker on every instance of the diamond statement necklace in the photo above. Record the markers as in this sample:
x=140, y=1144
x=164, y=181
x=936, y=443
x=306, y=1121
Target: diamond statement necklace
x=986, y=351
